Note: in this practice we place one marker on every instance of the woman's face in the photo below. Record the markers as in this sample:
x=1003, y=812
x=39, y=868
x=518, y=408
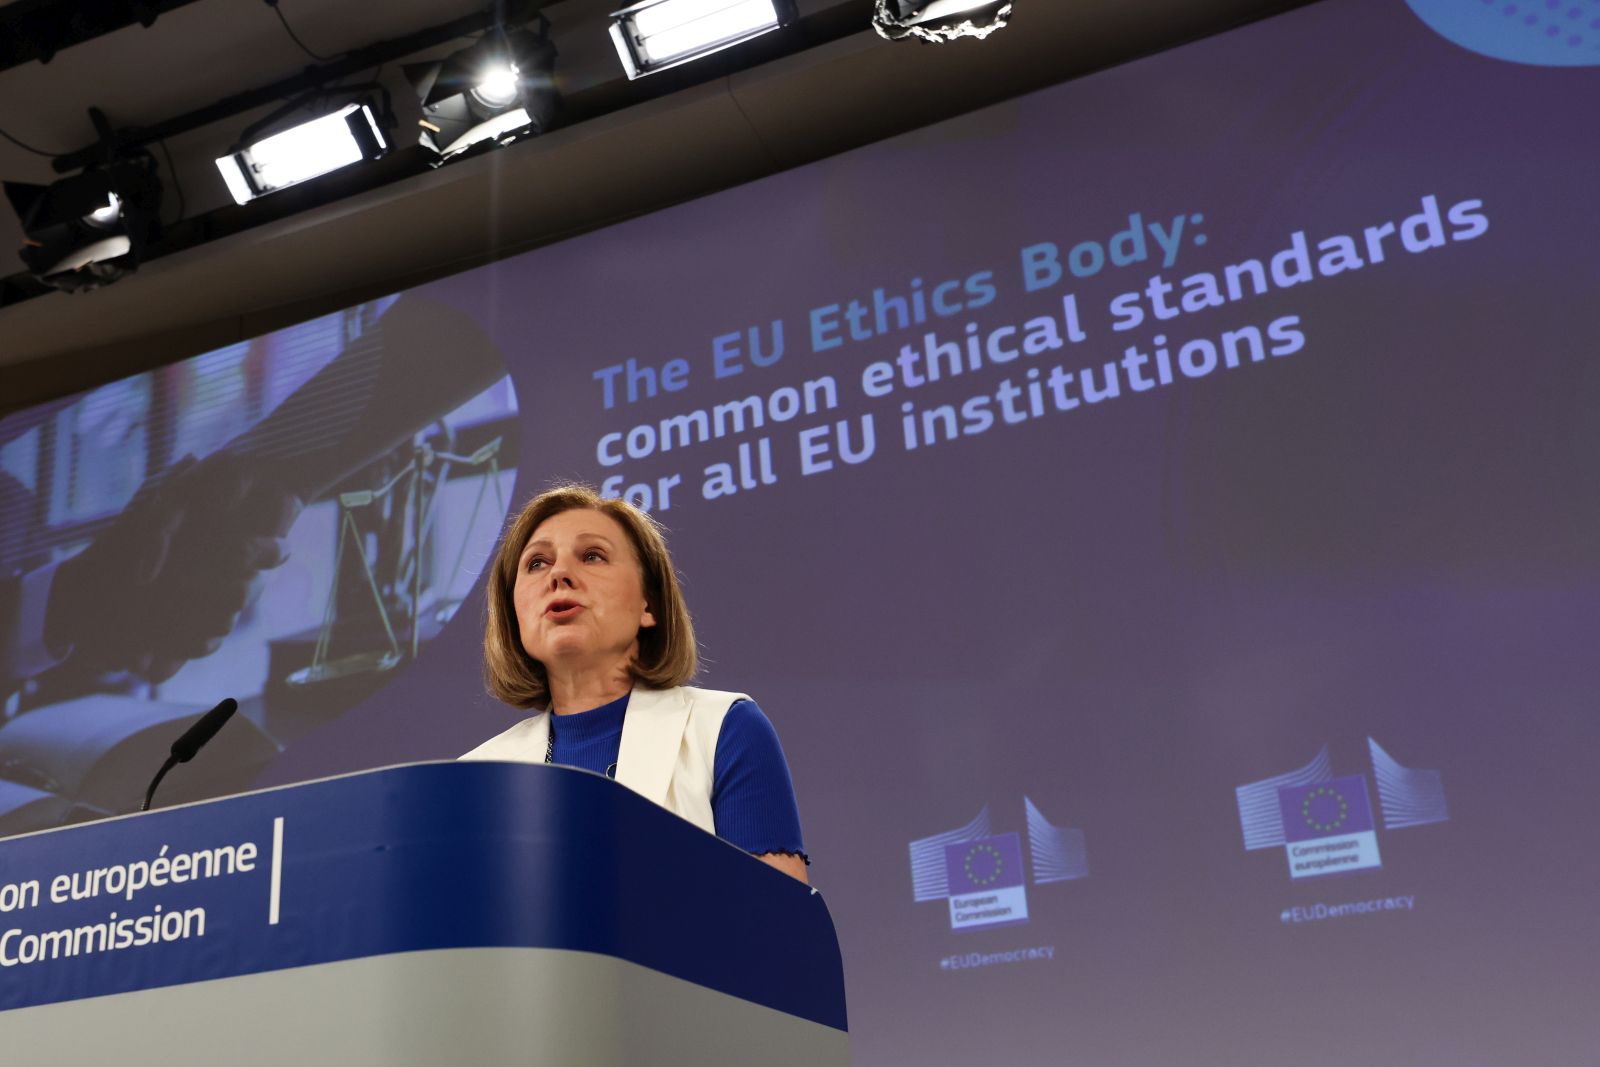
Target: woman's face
x=579, y=595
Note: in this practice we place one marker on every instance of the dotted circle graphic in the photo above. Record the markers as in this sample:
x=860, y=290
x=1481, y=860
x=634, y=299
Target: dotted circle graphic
x=1325, y=824
x=996, y=864
x=1543, y=33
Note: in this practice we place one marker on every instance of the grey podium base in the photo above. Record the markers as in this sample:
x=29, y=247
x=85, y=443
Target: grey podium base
x=450, y=1006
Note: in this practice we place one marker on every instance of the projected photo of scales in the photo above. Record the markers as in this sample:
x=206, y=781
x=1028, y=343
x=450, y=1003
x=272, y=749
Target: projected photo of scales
x=286, y=521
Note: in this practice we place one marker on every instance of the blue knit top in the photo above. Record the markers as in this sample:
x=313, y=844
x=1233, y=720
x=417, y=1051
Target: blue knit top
x=752, y=795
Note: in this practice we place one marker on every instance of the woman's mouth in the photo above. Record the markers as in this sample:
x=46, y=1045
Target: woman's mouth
x=561, y=610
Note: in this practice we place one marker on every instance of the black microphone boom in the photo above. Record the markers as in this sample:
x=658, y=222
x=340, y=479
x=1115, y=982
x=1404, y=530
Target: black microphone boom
x=193, y=739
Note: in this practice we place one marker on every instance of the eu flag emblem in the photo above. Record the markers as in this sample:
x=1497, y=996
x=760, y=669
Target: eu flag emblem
x=986, y=882
x=1328, y=828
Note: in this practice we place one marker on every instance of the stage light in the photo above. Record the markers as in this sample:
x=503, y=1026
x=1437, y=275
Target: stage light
x=90, y=229
x=498, y=86
x=657, y=34
x=303, y=152
x=499, y=89
x=108, y=215
x=939, y=20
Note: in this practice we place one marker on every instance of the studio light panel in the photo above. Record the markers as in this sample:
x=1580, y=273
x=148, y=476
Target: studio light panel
x=658, y=34
x=303, y=152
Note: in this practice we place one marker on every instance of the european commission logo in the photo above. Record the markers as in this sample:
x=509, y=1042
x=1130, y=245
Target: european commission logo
x=1325, y=824
x=980, y=873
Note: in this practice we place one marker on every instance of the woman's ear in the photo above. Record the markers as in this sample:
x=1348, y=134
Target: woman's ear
x=646, y=620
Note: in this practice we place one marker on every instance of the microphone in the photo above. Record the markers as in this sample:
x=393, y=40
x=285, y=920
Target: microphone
x=195, y=737
x=192, y=741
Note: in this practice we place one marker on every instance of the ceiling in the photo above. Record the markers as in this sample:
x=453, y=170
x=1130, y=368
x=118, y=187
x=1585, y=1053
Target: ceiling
x=823, y=86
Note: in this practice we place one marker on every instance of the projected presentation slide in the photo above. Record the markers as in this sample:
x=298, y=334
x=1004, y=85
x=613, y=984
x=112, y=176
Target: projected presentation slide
x=1158, y=514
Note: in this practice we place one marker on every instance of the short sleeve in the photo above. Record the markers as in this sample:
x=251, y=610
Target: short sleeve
x=752, y=795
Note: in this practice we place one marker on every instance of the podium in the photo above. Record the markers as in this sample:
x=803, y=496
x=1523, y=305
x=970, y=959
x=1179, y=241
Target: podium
x=434, y=913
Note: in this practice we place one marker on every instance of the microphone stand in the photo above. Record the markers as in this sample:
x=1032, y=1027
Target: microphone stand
x=193, y=739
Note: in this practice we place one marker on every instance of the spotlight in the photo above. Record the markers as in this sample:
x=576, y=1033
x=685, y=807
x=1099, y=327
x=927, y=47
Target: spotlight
x=656, y=34
x=303, y=152
x=500, y=89
x=939, y=20
x=90, y=229
x=106, y=217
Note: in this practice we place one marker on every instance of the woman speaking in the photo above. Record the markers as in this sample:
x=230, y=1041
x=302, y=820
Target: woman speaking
x=587, y=622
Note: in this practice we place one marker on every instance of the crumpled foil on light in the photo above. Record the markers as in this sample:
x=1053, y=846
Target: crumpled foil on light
x=894, y=28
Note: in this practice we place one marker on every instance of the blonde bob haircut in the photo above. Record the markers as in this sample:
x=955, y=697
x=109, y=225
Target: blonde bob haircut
x=667, y=655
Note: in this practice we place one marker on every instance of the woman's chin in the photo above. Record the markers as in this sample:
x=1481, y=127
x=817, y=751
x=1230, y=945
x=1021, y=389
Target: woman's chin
x=573, y=652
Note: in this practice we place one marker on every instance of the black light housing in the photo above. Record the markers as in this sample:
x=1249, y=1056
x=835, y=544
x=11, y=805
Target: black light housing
x=939, y=20
x=90, y=229
x=499, y=89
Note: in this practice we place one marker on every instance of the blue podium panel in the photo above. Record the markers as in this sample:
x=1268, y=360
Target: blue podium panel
x=490, y=912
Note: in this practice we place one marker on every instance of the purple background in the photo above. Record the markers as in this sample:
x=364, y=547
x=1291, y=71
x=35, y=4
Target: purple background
x=1130, y=609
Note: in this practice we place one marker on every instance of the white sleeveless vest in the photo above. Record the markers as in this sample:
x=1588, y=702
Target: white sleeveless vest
x=669, y=747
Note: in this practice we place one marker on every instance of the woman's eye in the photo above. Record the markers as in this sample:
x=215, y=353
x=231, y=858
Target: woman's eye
x=594, y=553
x=535, y=563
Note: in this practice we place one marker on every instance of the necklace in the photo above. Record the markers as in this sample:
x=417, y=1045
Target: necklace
x=550, y=748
